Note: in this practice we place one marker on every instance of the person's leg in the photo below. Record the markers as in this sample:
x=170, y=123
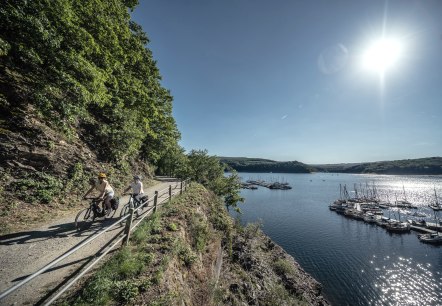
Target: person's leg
x=107, y=201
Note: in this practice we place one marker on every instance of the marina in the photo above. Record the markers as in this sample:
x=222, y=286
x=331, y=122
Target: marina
x=357, y=262
x=365, y=206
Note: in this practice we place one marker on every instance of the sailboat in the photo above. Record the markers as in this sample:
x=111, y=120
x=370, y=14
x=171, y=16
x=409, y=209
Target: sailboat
x=398, y=226
x=436, y=205
x=436, y=237
x=437, y=226
x=404, y=203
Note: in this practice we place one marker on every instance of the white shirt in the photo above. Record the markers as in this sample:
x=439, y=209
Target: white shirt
x=137, y=187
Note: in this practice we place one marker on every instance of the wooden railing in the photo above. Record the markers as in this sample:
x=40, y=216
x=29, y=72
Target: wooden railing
x=122, y=237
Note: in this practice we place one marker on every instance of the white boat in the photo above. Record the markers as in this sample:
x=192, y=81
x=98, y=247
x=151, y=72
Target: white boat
x=433, y=238
x=370, y=218
x=404, y=203
x=398, y=227
x=436, y=205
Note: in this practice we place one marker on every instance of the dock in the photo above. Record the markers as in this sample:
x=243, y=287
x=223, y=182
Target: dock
x=422, y=229
x=251, y=184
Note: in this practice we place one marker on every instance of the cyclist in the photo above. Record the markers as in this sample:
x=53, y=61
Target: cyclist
x=105, y=189
x=137, y=188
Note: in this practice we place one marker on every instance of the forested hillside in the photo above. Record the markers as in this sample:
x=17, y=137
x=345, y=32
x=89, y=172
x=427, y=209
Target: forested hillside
x=420, y=166
x=243, y=164
x=80, y=93
x=82, y=68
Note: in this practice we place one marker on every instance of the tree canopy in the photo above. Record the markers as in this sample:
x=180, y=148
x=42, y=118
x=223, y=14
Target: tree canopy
x=84, y=66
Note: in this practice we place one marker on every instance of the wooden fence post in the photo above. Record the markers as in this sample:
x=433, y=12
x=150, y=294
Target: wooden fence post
x=181, y=187
x=128, y=226
x=155, y=201
x=170, y=193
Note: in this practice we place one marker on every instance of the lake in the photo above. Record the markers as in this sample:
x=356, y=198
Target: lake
x=357, y=263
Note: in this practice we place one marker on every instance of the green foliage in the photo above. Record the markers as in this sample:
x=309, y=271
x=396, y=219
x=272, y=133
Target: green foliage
x=39, y=187
x=85, y=66
x=173, y=162
x=242, y=164
x=127, y=290
x=116, y=279
x=199, y=230
x=428, y=166
x=184, y=253
x=276, y=294
x=251, y=229
x=208, y=171
x=172, y=227
x=283, y=267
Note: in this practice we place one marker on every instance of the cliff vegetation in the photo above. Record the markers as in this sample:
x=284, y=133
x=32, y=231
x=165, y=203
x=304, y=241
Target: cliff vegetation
x=191, y=252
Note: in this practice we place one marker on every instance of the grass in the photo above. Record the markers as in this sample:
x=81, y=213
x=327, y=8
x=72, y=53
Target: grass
x=283, y=267
x=171, y=251
x=199, y=230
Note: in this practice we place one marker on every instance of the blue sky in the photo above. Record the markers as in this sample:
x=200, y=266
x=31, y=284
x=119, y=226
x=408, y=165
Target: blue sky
x=284, y=79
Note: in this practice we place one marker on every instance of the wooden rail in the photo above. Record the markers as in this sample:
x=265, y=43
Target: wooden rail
x=157, y=200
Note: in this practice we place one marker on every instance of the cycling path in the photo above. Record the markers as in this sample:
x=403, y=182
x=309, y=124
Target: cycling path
x=24, y=253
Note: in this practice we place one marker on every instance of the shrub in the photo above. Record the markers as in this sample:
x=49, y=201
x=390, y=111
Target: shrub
x=199, y=231
x=283, y=267
x=38, y=187
x=172, y=227
x=127, y=290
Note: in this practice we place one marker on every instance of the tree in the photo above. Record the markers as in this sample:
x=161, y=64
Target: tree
x=208, y=171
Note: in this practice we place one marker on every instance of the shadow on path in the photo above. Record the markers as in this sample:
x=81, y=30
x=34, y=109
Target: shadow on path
x=55, y=231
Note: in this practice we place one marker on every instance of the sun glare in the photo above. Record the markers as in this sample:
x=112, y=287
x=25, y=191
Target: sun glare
x=382, y=54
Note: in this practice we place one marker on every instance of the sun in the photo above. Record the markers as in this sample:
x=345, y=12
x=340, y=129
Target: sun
x=382, y=55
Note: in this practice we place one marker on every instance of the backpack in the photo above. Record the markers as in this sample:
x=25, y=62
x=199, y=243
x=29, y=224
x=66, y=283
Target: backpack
x=114, y=203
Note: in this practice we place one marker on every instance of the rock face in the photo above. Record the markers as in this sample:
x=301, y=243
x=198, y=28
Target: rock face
x=200, y=256
x=262, y=273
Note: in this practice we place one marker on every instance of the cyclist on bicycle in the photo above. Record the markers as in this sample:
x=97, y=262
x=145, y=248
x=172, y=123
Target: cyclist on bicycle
x=105, y=189
x=137, y=188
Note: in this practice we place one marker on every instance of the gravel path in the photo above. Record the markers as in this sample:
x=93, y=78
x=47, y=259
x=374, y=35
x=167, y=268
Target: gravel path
x=24, y=253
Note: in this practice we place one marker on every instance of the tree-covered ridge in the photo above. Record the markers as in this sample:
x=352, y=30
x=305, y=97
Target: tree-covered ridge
x=243, y=164
x=80, y=93
x=421, y=166
x=84, y=68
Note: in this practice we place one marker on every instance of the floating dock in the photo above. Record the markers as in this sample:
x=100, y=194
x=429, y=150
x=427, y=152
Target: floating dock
x=421, y=229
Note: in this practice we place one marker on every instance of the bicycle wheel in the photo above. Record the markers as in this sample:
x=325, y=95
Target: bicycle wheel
x=124, y=212
x=84, y=219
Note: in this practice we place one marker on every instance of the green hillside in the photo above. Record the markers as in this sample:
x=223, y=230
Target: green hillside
x=80, y=93
x=244, y=164
x=421, y=166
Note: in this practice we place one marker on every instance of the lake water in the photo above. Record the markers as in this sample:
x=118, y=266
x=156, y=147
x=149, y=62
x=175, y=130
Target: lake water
x=357, y=263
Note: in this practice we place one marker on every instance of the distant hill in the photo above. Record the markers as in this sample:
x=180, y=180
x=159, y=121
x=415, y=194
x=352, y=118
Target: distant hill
x=244, y=164
x=421, y=166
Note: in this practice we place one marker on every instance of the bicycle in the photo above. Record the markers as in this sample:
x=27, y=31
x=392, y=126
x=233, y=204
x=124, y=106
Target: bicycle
x=134, y=203
x=87, y=216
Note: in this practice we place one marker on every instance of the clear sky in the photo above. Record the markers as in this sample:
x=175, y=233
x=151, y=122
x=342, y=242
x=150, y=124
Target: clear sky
x=297, y=80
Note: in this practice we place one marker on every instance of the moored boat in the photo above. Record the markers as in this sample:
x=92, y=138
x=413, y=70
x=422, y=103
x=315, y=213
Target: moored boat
x=436, y=206
x=433, y=238
x=398, y=227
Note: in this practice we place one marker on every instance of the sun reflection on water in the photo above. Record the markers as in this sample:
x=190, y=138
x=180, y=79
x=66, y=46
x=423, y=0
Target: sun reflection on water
x=404, y=282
